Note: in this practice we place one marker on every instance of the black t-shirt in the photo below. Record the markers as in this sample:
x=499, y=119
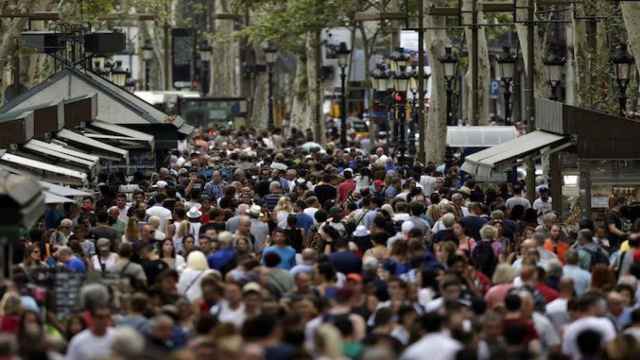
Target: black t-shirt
x=472, y=226
x=346, y=262
x=613, y=218
x=153, y=268
x=325, y=192
x=294, y=239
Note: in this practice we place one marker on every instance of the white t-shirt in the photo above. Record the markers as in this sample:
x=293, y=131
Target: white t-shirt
x=86, y=346
x=163, y=213
x=435, y=346
x=548, y=335
x=428, y=183
x=571, y=332
x=227, y=314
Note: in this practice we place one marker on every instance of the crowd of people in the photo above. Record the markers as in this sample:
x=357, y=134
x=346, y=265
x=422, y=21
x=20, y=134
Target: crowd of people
x=247, y=246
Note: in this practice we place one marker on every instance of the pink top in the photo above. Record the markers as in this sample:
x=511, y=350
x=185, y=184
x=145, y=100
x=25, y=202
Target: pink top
x=496, y=294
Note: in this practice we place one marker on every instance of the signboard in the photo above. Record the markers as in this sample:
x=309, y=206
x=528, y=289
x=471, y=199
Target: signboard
x=183, y=46
x=66, y=292
x=495, y=89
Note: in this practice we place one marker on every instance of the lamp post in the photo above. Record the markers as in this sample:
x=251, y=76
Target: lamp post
x=205, y=56
x=147, y=56
x=553, y=65
x=450, y=61
x=623, y=63
x=506, y=67
x=414, y=87
x=270, y=57
x=380, y=83
x=342, y=53
x=118, y=74
x=401, y=80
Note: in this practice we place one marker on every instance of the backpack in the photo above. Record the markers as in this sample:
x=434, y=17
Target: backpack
x=597, y=257
x=484, y=258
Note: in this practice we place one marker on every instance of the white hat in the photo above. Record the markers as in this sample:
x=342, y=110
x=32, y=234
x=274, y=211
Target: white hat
x=348, y=170
x=194, y=213
x=255, y=210
x=161, y=184
x=361, y=231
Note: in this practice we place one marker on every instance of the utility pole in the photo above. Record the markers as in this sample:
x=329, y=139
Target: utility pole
x=421, y=89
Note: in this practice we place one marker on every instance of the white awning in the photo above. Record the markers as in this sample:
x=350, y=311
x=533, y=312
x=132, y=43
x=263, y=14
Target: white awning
x=42, y=166
x=65, y=157
x=482, y=163
x=121, y=130
x=479, y=136
x=51, y=198
x=81, y=139
x=63, y=150
x=108, y=137
x=63, y=190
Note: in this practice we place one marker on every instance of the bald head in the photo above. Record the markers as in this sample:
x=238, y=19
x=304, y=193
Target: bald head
x=309, y=255
x=243, y=209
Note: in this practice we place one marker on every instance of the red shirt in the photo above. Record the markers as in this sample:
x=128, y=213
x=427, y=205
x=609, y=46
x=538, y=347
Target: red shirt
x=345, y=188
x=549, y=293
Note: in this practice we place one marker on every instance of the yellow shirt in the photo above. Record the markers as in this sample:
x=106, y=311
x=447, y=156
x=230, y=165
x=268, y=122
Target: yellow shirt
x=624, y=247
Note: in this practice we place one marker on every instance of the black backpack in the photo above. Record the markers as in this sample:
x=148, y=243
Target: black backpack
x=484, y=258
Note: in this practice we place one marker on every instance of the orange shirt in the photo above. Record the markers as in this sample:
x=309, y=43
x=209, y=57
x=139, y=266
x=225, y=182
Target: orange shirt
x=560, y=249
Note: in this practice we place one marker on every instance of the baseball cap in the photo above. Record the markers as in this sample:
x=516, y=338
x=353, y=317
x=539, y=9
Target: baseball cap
x=354, y=277
x=251, y=287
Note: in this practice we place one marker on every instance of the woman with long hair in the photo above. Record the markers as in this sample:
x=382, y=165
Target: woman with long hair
x=32, y=259
x=131, y=231
x=169, y=256
x=282, y=211
x=196, y=269
x=179, y=229
x=188, y=245
x=465, y=243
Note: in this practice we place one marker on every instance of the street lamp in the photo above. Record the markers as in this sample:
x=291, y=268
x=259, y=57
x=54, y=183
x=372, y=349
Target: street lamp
x=401, y=82
x=147, y=56
x=623, y=63
x=270, y=58
x=553, y=70
x=414, y=86
x=506, y=68
x=118, y=74
x=342, y=53
x=381, y=83
x=449, y=61
x=205, y=57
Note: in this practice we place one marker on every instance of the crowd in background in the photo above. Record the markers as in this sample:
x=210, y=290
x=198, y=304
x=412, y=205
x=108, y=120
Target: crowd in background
x=247, y=245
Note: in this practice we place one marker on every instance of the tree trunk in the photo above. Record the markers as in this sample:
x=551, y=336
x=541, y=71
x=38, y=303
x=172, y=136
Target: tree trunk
x=436, y=122
x=260, y=96
x=571, y=68
x=540, y=85
x=315, y=88
x=299, y=109
x=631, y=16
x=484, y=68
x=225, y=55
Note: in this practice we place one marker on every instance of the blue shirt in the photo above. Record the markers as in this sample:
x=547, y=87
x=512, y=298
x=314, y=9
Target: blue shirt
x=304, y=221
x=221, y=258
x=581, y=278
x=287, y=256
x=76, y=265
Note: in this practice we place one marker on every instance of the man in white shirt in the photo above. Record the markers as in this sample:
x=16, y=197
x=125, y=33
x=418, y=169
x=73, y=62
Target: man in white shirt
x=591, y=311
x=160, y=211
x=517, y=199
x=542, y=204
x=231, y=309
x=437, y=344
x=94, y=342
